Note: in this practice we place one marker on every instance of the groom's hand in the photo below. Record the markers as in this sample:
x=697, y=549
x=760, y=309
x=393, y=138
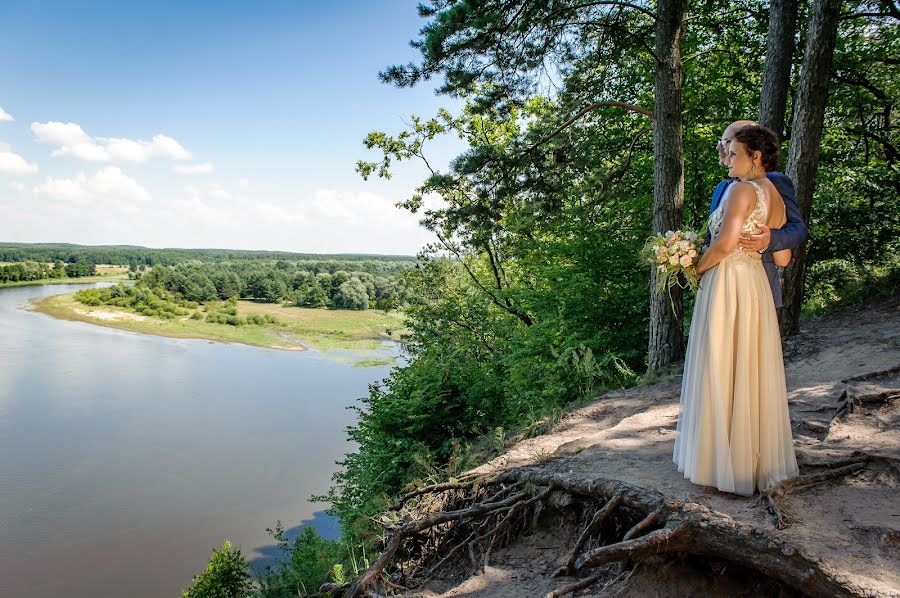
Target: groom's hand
x=758, y=242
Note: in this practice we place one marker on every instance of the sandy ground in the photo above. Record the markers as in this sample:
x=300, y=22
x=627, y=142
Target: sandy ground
x=109, y=315
x=853, y=523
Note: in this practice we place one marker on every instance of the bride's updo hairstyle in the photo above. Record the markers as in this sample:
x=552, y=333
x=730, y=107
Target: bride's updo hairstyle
x=760, y=139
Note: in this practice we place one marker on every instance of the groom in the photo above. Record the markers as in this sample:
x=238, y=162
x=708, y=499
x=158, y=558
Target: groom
x=789, y=236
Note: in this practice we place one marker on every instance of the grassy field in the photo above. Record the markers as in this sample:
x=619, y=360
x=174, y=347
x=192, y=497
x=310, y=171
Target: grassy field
x=297, y=329
x=105, y=273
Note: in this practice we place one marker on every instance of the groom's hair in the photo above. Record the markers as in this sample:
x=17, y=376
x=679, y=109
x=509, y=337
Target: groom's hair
x=761, y=139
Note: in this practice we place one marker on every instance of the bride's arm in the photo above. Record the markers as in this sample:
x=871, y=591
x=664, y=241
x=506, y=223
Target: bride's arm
x=740, y=203
x=782, y=258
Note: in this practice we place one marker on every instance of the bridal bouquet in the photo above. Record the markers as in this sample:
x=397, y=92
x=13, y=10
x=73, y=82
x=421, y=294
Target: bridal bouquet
x=673, y=253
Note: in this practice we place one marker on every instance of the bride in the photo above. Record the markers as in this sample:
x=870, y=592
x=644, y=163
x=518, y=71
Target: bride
x=734, y=428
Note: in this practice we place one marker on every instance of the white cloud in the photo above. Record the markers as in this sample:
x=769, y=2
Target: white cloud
x=204, y=168
x=16, y=185
x=15, y=164
x=187, y=215
x=362, y=207
x=65, y=134
x=216, y=191
x=168, y=147
x=73, y=141
x=244, y=183
x=109, y=184
x=5, y=116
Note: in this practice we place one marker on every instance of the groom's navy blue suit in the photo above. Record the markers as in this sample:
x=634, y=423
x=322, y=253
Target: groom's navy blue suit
x=792, y=234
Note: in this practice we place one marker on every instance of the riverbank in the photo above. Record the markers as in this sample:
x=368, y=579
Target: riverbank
x=296, y=329
x=105, y=273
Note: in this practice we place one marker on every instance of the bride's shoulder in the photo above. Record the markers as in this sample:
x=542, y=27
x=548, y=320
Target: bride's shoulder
x=742, y=197
x=743, y=188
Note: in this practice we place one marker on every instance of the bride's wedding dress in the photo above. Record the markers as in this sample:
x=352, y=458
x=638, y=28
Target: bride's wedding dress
x=734, y=428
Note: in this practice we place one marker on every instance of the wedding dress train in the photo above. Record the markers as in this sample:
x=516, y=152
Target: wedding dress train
x=734, y=428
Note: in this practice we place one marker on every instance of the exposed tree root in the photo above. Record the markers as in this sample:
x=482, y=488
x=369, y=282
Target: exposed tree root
x=871, y=375
x=590, y=529
x=427, y=522
x=771, y=495
x=584, y=583
x=643, y=524
x=849, y=401
x=436, y=489
x=515, y=499
x=655, y=542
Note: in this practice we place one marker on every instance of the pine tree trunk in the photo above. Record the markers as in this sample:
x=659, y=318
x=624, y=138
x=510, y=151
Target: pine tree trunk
x=777, y=74
x=666, y=313
x=806, y=135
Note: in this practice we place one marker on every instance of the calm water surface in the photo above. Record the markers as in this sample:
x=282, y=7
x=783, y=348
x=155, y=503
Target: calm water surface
x=125, y=457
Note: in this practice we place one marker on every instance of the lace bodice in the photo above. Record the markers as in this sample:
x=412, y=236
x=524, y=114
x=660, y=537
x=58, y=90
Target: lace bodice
x=758, y=216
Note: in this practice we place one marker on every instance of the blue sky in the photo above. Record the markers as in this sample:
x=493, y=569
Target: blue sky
x=206, y=124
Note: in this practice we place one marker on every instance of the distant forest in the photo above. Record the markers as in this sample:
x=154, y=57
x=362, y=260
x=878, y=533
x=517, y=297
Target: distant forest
x=131, y=255
x=302, y=284
x=201, y=275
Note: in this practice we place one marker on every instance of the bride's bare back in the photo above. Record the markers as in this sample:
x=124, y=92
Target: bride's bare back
x=777, y=216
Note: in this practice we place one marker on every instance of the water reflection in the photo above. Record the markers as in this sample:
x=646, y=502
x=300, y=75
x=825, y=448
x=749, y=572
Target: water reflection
x=327, y=527
x=126, y=457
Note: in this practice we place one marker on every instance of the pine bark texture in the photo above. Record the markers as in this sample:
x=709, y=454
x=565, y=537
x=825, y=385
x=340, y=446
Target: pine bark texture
x=777, y=73
x=806, y=136
x=666, y=310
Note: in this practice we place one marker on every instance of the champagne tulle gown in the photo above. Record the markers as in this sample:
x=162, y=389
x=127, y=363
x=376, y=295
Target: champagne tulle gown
x=734, y=429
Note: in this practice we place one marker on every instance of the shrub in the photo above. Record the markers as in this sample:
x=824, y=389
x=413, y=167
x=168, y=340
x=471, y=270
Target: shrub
x=225, y=576
x=309, y=561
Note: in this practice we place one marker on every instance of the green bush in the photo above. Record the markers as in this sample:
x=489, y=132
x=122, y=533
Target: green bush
x=309, y=561
x=834, y=282
x=225, y=576
x=256, y=320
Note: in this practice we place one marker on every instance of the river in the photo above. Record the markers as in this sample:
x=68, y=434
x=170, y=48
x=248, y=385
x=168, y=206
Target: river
x=124, y=458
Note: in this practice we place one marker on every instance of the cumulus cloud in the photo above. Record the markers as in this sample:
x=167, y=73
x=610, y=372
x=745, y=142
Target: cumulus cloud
x=363, y=207
x=216, y=191
x=204, y=168
x=5, y=116
x=71, y=140
x=15, y=164
x=16, y=185
x=244, y=183
x=109, y=184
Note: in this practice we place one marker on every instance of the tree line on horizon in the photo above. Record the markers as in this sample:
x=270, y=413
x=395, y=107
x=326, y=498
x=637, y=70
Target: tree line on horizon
x=142, y=256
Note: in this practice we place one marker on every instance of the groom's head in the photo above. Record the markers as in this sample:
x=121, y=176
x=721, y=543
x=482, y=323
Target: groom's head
x=723, y=144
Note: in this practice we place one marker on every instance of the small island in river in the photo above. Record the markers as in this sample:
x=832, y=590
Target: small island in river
x=288, y=328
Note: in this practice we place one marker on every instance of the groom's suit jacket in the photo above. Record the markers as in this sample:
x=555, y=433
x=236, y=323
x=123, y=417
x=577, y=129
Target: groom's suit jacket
x=792, y=234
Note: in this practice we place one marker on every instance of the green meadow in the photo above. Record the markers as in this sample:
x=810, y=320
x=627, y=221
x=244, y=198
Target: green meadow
x=294, y=329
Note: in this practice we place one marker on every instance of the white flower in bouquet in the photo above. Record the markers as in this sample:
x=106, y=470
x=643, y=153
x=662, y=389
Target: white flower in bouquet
x=675, y=255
